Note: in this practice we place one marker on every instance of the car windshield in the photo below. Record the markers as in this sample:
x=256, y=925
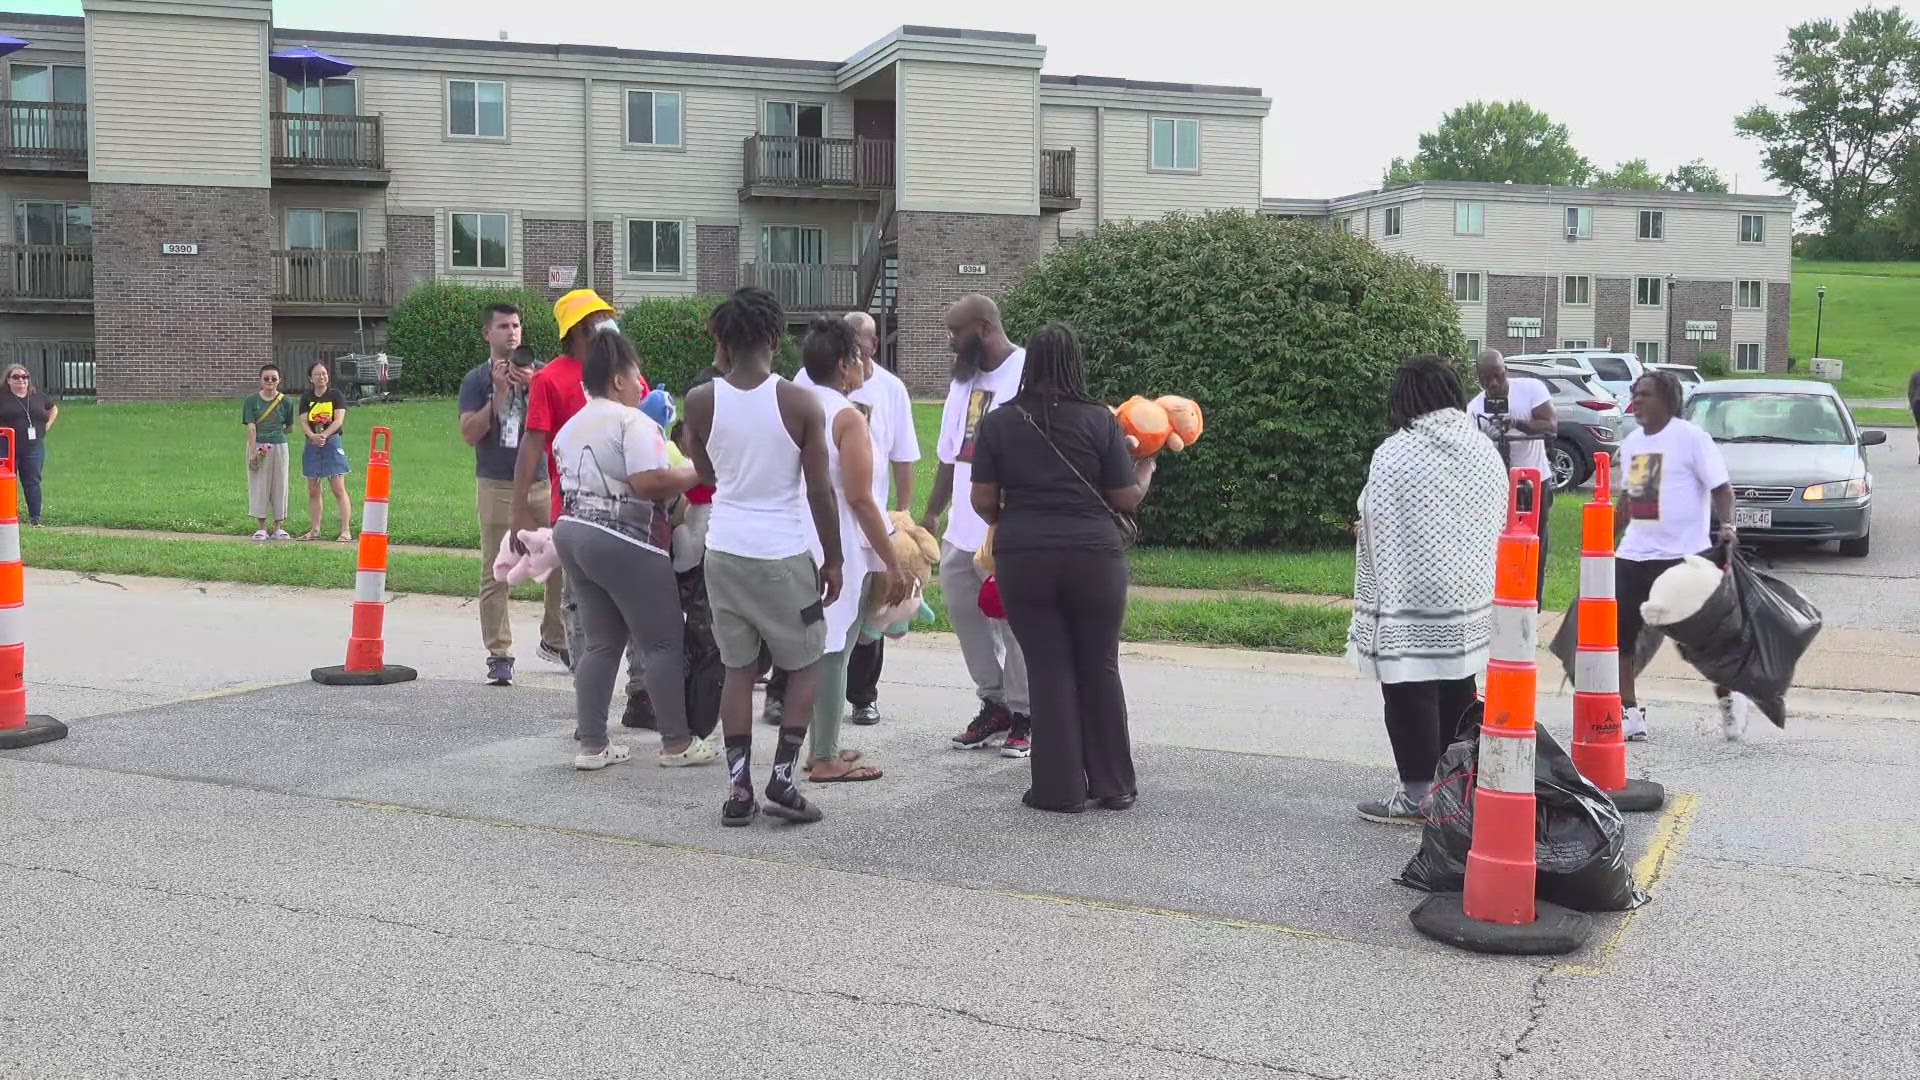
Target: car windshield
x=1763, y=417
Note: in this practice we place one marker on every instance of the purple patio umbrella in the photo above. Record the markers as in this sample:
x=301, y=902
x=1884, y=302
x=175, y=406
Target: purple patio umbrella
x=302, y=64
x=11, y=44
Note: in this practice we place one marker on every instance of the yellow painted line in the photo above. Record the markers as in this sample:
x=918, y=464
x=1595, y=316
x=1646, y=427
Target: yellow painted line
x=1652, y=866
x=230, y=691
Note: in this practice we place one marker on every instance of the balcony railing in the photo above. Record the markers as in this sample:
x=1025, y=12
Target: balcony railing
x=806, y=286
x=330, y=277
x=60, y=368
x=46, y=272
x=805, y=161
x=48, y=131
x=1056, y=174
x=322, y=141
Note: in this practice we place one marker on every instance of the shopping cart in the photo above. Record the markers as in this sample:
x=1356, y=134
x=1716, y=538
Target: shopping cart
x=367, y=377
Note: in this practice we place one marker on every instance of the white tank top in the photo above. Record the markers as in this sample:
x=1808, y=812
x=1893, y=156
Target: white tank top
x=759, y=498
x=854, y=554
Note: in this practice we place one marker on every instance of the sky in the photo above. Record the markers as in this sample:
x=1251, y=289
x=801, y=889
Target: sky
x=1353, y=83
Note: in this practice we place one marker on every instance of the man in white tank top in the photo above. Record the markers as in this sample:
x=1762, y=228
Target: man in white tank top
x=761, y=441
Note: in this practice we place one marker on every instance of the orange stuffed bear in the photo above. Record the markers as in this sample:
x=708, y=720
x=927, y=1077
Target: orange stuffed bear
x=1171, y=423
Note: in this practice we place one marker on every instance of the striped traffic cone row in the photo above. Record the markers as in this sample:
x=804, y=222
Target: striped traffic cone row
x=366, y=647
x=1498, y=913
x=18, y=728
x=1599, y=750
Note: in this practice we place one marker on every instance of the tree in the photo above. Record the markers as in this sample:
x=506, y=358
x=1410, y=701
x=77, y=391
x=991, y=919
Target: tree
x=1854, y=99
x=1286, y=333
x=1496, y=142
x=1697, y=175
x=1633, y=175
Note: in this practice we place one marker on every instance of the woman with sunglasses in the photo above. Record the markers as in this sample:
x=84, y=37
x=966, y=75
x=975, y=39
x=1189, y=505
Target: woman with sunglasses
x=30, y=415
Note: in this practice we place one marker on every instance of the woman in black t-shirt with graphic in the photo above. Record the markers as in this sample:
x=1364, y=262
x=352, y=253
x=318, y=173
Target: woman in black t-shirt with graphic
x=1050, y=472
x=29, y=415
x=323, y=411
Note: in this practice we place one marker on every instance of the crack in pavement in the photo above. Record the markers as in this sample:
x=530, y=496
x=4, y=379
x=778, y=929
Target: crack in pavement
x=951, y=1011
x=1536, y=1015
x=1862, y=877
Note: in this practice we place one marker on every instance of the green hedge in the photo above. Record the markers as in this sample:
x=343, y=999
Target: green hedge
x=1288, y=335
x=435, y=330
x=670, y=334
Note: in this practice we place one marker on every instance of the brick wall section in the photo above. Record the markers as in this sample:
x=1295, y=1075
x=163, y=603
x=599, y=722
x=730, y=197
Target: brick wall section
x=171, y=326
x=933, y=246
x=1528, y=297
x=1613, y=313
x=409, y=252
x=1695, y=301
x=719, y=258
x=603, y=258
x=551, y=243
x=1779, y=314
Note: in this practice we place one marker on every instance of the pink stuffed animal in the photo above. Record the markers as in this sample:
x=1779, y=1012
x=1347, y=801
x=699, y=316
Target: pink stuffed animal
x=541, y=559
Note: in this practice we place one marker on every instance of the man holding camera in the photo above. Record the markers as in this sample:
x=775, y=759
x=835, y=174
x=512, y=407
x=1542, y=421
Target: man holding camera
x=1517, y=414
x=493, y=417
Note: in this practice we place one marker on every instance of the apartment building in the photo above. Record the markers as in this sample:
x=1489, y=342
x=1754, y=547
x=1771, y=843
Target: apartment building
x=1667, y=275
x=186, y=199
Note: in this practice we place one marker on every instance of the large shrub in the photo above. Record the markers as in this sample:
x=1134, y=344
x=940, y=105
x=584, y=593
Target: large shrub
x=435, y=331
x=1286, y=333
x=670, y=334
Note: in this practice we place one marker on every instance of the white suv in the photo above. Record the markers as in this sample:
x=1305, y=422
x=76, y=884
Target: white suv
x=1615, y=371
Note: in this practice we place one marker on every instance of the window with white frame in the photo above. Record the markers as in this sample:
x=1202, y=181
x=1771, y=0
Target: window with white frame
x=1466, y=288
x=1746, y=357
x=1473, y=347
x=1749, y=295
x=1176, y=144
x=1343, y=225
x=653, y=117
x=1390, y=221
x=1647, y=291
x=1577, y=290
x=1576, y=343
x=1653, y=225
x=477, y=241
x=60, y=83
x=1753, y=229
x=1580, y=221
x=476, y=109
x=1647, y=351
x=654, y=246
x=1469, y=219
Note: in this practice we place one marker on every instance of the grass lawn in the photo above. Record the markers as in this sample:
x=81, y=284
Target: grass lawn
x=1873, y=417
x=1872, y=322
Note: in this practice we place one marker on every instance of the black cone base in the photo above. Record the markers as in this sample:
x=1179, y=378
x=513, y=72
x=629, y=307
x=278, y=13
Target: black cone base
x=39, y=729
x=386, y=676
x=1639, y=797
x=1554, y=929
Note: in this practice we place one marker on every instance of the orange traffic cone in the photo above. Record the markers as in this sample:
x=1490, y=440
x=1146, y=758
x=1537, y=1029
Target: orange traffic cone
x=366, y=648
x=1498, y=913
x=1599, y=751
x=17, y=727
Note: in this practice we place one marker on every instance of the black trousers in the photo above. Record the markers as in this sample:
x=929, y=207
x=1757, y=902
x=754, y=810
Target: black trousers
x=1065, y=608
x=1422, y=718
x=863, y=674
x=1546, y=518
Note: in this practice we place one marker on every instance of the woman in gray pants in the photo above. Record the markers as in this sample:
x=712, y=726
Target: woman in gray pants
x=614, y=536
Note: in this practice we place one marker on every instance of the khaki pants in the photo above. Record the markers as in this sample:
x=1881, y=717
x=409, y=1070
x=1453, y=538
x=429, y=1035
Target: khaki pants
x=267, y=485
x=495, y=504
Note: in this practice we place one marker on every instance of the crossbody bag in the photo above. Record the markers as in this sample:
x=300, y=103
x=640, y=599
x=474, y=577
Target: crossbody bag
x=1128, y=527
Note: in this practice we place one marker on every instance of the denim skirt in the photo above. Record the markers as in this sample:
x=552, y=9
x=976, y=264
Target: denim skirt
x=330, y=459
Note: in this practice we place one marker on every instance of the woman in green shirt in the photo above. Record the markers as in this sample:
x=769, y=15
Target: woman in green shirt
x=268, y=414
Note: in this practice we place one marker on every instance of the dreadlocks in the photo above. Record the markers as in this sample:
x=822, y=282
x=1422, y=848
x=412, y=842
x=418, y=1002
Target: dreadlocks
x=1666, y=386
x=1053, y=371
x=1423, y=384
x=747, y=321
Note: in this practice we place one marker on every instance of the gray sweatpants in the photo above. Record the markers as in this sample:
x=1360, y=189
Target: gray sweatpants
x=577, y=634
x=628, y=601
x=993, y=657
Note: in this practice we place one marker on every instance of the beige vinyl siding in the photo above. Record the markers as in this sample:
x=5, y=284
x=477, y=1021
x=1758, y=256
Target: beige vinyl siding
x=1645, y=324
x=1412, y=216
x=1473, y=322
x=1064, y=127
x=177, y=100
x=1229, y=173
x=840, y=220
x=701, y=179
x=1575, y=322
x=537, y=169
x=370, y=202
x=1742, y=326
x=18, y=189
x=967, y=138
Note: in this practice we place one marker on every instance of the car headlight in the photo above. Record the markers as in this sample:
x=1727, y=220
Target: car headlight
x=1838, y=489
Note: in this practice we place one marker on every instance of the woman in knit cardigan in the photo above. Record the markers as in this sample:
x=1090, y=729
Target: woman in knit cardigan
x=1429, y=528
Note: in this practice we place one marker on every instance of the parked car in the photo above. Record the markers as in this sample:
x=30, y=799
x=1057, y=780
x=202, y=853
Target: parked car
x=1589, y=422
x=1689, y=376
x=1797, y=460
x=1612, y=371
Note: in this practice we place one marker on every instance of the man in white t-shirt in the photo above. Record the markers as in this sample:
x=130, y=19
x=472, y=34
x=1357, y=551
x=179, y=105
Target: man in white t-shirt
x=1520, y=431
x=986, y=374
x=1673, y=485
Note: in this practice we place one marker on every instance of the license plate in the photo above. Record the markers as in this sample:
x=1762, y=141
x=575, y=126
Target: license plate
x=1752, y=517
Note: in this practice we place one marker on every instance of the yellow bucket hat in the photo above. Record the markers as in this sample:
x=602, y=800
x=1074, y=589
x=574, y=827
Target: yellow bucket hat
x=576, y=305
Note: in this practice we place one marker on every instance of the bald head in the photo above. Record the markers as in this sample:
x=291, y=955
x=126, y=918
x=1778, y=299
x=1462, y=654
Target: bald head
x=974, y=307
x=975, y=336
x=1491, y=372
x=866, y=336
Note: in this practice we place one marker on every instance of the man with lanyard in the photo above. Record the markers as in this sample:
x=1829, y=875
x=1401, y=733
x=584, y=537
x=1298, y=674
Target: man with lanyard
x=1520, y=430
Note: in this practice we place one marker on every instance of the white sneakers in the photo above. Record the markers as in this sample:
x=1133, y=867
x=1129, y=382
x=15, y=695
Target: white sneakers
x=1735, y=711
x=1633, y=723
x=614, y=754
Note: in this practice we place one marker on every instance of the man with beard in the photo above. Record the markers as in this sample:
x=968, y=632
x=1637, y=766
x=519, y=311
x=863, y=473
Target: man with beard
x=986, y=374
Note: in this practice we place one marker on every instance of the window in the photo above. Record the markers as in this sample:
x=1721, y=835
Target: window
x=1749, y=295
x=1753, y=229
x=1576, y=343
x=53, y=224
x=1647, y=351
x=64, y=83
x=1577, y=291
x=796, y=152
x=1176, y=144
x=41, y=268
x=653, y=247
x=329, y=97
x=479, y=241
x=1344, y=226
x=477, y=109
x=1473, y=347
x=323, y=230
x=1466, y=288
x=1391, y=221
x=1646, y=291
x=1469, y=219
x=1653, y=225
x=1746, y=357
x=1580, y=221
x=653, y=118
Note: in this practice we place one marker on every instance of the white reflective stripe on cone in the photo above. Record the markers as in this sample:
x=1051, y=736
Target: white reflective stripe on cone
x=1597, y=671
x=13, y=624
x=1506, y=762
x=10, y=542
x=373, y=516
x=1596, y=576
x=1515, y=632
x=370, y=586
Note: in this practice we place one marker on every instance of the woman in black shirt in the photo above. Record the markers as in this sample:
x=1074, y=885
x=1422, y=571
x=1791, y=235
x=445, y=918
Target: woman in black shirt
x=29, y=414
x=323, y=460
x=1051, y=471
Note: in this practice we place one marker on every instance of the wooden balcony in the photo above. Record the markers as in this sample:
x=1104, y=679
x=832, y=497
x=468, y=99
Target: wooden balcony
x=45, y=277
x=805, y=167
x=43, y=137
x=319, y=146
x=329, y=282
x=806, y=288
x=1056, y=180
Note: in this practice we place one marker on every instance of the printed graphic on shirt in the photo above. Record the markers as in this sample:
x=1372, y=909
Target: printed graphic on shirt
x=1643, y=487
x=866, y=410
x=979, y=403
x=320, y=414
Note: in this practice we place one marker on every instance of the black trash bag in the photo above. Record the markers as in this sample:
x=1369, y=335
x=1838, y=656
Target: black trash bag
x=705, y=672
x=1566, y=642
x=1749, y=634
x=1580, y=842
